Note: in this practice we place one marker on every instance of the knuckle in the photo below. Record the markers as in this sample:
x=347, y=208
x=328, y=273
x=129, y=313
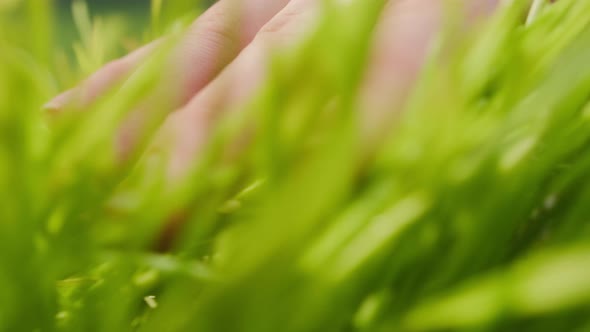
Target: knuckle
x=216, y=26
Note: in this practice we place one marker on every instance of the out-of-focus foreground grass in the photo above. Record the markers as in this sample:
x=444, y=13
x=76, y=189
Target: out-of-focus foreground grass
x=473, y=215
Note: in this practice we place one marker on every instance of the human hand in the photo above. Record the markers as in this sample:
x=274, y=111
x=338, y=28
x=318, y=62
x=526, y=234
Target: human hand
x=221, y=61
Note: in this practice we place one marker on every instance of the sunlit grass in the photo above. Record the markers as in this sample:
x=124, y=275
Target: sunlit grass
x=472, y=215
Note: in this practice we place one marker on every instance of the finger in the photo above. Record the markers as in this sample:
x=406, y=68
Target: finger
x=100, y=81
x=217, y=39
x=212, y=41
x=403, y=40
x=187, y=130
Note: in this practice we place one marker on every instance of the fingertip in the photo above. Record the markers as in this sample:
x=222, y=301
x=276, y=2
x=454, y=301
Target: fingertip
x=58, y=103
x=50, y=108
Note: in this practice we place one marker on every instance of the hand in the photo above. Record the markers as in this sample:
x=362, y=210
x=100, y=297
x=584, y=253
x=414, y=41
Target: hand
x=223, y=56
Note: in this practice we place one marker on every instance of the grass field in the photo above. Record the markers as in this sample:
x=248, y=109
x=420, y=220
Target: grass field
x=472, y=215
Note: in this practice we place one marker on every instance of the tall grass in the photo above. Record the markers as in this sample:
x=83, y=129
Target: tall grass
x=472, y=215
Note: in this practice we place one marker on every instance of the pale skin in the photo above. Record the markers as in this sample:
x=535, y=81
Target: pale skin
x=223, y=56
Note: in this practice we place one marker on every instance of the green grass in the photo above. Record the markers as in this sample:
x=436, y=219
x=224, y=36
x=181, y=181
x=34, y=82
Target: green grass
x=473, y=215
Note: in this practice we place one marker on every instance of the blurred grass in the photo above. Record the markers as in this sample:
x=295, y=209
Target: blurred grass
x=135, y=13
x=471, y=216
